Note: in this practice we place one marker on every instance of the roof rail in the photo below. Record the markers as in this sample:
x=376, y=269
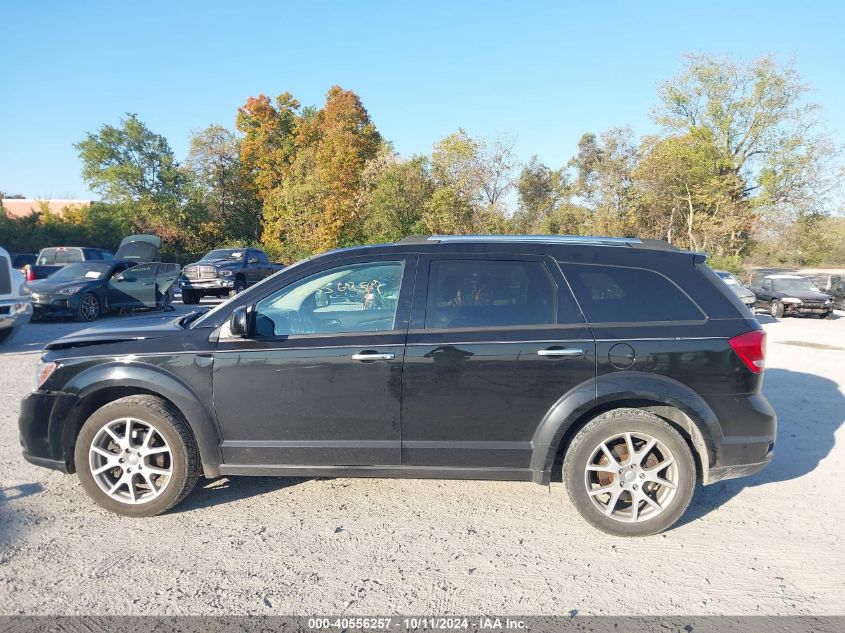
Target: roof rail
x=547, y=239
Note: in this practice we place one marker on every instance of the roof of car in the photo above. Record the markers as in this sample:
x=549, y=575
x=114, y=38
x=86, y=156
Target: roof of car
x=783, y=277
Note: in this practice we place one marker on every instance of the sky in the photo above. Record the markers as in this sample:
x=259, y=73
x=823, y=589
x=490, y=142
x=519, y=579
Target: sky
x=542, y=72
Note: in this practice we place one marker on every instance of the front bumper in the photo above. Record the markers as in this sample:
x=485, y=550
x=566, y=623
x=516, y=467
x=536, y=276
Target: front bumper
x=14, y=313
x=797, y=308
x=44, y=428
x=55, y=305
x=207, y=284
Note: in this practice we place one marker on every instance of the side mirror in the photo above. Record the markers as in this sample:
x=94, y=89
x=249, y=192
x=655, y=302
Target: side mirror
x=122, y=277
x=238, y=323
x=252, y=260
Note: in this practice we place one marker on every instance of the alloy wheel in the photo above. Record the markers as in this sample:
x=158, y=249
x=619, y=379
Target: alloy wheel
x=631, y=477
x=89, y=307
x=131, y=461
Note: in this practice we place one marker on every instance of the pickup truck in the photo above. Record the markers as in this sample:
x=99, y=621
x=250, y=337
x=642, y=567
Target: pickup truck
x=15, y=308
x=225, y=272
x=57, y=257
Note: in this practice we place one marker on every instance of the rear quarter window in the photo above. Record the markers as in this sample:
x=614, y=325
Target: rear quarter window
x=616, y=294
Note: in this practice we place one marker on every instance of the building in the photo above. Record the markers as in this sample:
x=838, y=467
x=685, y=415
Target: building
x=19, y=207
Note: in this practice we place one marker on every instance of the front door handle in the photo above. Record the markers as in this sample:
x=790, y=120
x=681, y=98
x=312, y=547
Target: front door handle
x=561, y=351
x=368, y=355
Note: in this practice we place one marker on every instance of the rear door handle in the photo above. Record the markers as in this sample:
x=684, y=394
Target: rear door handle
x=561, y=351
x=367, y=355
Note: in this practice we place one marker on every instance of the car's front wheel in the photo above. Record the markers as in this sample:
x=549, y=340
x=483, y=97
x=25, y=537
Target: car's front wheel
x=239, y=287
x=776, y=309
x=629, y=473
x=136, y=456
x=89, y=307
x=191, y=297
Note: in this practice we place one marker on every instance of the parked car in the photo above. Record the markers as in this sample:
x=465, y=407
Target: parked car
x=626, y=367
x=832, y=284
x=14, y=298
x=745, y=295
x=86, y=290
x=21, y=260
x=225, y=272
x=791, y=295
x=55, y=257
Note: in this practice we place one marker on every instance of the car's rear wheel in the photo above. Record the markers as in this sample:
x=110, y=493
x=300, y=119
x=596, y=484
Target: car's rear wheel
x=136, y=456
x=776, y=309
x=629, y=473
x=89, y=307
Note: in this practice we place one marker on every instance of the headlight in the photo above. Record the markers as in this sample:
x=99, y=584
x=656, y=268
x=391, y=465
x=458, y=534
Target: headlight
x=43, y=372
x=828, y=302
x=792, y=300
x=69, y=291
x=224, y=273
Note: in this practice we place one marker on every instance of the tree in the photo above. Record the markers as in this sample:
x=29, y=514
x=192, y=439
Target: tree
x=130, y=163
x=604, y=181
x=219, y=181
x=469, y=182
x=761, y=125
x=688, y=195
x=393, y=196
x=540, y=192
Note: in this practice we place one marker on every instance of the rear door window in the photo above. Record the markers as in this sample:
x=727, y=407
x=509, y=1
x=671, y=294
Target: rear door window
x=470, y=293
x=59, y=256
x=616, y=294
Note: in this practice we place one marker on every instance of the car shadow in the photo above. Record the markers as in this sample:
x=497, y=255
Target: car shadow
x=212, y=492
x=10, y=493
x=810, y=410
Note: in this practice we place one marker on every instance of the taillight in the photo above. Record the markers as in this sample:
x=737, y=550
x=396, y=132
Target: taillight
x=30, y=274
x=751, y=348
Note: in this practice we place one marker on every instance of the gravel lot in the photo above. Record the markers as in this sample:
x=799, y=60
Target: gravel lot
x=770, y=544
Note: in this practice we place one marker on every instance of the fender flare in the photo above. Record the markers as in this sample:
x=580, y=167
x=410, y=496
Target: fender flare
x=158, y=382
x=662, y=395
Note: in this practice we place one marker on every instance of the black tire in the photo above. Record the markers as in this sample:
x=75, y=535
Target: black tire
x=239, y=287
x=6, y=334
x=191, y=297
x=169, y=424
x=609, y=425
x=776, y=309
x=89, y=308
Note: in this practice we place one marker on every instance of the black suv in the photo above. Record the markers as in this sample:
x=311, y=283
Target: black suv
x=626, y=367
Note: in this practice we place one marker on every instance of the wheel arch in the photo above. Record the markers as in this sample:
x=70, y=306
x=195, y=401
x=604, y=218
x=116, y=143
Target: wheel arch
x=665, y=397
x=106, y=383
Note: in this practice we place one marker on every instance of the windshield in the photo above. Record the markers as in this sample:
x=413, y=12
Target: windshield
x=795, y=285
x=88, y=271
x=729, y=278
x=236, y=254
x=59, y=255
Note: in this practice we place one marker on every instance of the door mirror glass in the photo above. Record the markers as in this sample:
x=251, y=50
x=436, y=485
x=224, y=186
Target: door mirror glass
x=252, y=260
x=238, y=322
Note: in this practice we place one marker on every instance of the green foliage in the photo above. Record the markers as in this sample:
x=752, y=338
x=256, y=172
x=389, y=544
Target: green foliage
x=129, y=163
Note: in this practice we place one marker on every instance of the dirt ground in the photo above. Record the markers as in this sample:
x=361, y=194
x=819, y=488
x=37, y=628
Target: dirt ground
x=770, y=544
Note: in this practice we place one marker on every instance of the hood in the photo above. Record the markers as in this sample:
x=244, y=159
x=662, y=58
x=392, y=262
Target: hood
x=742, y=291
x=138, y=248
x=805, y=295
x=140, y=328
x=226, y=261
x=51, y=286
